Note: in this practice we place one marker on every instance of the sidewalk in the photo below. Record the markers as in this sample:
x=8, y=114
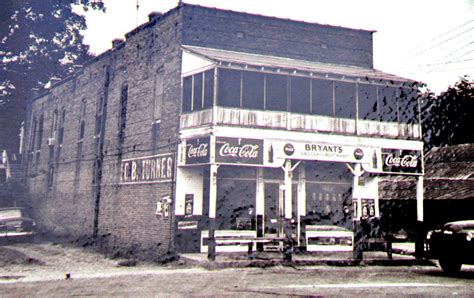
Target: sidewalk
x=403, y=255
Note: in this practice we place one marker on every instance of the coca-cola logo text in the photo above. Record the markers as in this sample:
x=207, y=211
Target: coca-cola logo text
x=242, y=151
x=406, y=161
x=198, y=151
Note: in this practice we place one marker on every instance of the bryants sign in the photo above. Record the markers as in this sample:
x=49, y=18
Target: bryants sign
x=197, y=151
x=240, y=151
x=401, y=161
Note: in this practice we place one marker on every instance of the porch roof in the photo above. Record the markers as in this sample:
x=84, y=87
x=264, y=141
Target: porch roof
x=295, y=66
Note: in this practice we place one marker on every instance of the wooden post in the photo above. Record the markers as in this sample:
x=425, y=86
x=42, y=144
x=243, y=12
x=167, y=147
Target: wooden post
x=212, y=212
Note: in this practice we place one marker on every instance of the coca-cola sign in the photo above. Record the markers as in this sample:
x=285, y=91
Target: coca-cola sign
x=401, y=161
x=240, y=151
x=197, y=151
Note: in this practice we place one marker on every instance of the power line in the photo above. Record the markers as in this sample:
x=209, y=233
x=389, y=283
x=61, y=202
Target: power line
x=442, y=42
x=439, y=36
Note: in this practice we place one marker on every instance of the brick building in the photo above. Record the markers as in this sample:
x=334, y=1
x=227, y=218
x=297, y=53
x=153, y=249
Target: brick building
x=208, y=122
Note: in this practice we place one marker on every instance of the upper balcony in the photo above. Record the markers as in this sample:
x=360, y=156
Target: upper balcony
x=249, y=90
x=298, y=122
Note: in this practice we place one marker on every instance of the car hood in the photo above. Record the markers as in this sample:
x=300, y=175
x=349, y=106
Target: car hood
x=460, y=226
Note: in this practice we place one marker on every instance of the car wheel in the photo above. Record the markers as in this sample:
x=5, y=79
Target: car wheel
x=450, y=266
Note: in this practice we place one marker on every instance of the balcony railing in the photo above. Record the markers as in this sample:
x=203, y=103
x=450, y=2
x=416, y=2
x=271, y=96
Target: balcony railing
x=298, y=122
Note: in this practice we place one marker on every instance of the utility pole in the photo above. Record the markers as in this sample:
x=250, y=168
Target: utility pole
x=138, y=6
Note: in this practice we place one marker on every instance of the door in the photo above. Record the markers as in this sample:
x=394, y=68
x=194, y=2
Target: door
x=273, y=222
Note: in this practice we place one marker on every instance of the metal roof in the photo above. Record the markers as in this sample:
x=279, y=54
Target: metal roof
x=229, y=58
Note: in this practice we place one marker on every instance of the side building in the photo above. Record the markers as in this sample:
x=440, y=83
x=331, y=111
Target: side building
x=208, y=122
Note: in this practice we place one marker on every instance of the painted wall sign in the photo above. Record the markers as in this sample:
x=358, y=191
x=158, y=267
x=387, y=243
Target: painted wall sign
x=197, y=151
x=401, y=161
x=150, y=169
x=239, y=151
x=321, y=151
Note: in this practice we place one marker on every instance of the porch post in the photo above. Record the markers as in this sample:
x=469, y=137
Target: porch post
x=288, y=245
x=211, y=253
x=420, y=233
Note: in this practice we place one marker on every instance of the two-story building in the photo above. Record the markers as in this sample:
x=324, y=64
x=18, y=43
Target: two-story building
x=208, y=122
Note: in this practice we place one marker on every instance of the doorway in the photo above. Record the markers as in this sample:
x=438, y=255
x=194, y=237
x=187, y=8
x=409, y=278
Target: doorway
x=274, y=208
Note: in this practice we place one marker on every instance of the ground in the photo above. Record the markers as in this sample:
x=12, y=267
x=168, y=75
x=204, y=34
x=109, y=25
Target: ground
x=48, y=269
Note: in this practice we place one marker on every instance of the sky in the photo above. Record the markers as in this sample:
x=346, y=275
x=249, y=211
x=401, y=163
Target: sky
x=431, y=41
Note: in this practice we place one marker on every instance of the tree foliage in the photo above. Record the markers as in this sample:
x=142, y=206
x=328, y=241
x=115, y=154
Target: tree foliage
x=38, y=40
x=448, y=119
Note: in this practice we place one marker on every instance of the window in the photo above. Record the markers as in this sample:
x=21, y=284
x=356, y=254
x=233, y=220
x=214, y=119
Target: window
x=368, y=102
x=197, y=92
x=99, y=115
x=33, y=134
x=388, y=103
x=54, y=122
x=322, y=97
x=300, y=95
x=158, y=97
x=253, y=84
x=40, y=132
x=61, y=127
x=50, y=176
x=229, y=88
x=82, y=122
x=276, y=90
x=188, y=94
x=209, y=88
x=408, y=105
x=122, y=114
x=345, y=101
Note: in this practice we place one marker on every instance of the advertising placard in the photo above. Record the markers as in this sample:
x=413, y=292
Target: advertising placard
x=197, y=151
x=401, y=161
x=239, y=151
x=321, y=151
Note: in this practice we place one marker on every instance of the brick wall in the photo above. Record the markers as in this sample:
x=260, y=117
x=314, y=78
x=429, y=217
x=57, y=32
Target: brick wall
x=126, y=218
x=271, y=36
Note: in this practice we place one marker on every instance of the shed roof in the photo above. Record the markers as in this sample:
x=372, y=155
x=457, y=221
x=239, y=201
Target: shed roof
x=449, y=174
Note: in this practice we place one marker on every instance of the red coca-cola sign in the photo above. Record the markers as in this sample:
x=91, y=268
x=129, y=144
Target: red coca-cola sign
x=401, y=161
x=240, y=151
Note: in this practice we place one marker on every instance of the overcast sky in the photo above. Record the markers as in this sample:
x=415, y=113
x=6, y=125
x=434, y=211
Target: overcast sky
x=427, y=40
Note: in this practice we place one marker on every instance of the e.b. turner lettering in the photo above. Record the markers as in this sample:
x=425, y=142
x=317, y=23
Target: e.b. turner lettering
x=152, y=169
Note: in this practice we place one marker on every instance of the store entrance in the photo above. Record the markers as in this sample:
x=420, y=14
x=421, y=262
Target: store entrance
x=274, y=208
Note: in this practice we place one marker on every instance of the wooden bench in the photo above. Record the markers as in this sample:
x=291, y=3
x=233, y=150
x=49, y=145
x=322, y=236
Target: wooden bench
x=236, y=238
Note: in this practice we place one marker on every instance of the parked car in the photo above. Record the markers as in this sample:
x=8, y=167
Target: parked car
x=16, y=224
x=452, y=245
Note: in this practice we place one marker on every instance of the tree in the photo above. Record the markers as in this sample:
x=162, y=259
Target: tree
x=38, y=40
x=448, y=119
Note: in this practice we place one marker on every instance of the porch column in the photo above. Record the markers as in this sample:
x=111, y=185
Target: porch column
x=420, y=233
x=301, y=205
x=419, y=199
x=288, y=190
x=212, y=211
x=288, y=246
